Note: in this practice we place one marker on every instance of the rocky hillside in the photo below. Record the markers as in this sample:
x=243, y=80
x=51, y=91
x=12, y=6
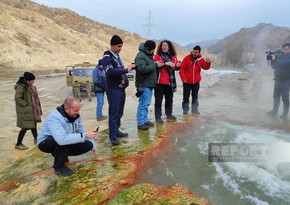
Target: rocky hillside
x=35, y=36
x=206, y=43
x=249, y=45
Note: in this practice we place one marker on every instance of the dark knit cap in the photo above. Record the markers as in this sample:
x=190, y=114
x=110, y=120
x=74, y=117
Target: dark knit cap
x=28, y=76
x=115, y=40
x=150, y=45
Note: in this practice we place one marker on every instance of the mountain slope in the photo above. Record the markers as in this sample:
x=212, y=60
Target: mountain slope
x=35, y=36
x=202, y=43
x=250, y=44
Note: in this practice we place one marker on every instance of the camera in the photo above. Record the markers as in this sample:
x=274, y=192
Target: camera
x=139, y=92
x=270, y=53
x=134, y=67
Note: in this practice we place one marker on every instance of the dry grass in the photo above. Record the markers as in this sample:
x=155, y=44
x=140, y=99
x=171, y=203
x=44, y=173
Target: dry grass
x=42, y=37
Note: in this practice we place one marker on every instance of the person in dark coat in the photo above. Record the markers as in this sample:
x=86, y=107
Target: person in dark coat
x=146, y=79
x=28, y=108
x=100, y=84
x=281, y=66
x=116, y=84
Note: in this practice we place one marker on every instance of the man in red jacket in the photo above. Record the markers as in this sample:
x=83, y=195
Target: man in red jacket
x=189, y=73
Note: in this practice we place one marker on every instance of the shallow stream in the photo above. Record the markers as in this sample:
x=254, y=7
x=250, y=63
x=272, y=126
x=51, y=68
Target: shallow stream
x=223, y=183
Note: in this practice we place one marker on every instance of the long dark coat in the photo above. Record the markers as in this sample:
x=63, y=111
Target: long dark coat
x=24, y=106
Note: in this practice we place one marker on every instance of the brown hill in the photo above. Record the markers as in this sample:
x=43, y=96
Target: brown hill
x=250, y=44
x=35, y=36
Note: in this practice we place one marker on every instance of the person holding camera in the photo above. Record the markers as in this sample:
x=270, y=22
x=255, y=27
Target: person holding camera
x=189, y=72
x=117, y=82
x=145, y=82
x=281, y=66
x=166, y=83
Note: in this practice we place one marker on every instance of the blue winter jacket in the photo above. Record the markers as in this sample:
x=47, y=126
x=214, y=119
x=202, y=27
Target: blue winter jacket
x=115, y=71
x=99, y=80
x=281, y=66
x=63, y=131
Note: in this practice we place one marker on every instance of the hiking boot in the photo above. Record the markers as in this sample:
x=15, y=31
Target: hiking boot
x=63, y=170
x=21, y=147
x=272, y=114
x=196, y=112
x=100, y=118
x=171, y=117
x=159, y=120
x=115, y=142
x=143, y=127
x=150, y=124
x=122, y=134
x=284, y=117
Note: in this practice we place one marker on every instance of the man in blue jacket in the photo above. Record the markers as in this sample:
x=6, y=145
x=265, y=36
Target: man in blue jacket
x=100, y=87
x=116, y=84
x=281, y=66
x=63, y=134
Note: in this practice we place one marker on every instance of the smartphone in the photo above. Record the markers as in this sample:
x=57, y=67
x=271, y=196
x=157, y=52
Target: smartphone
x=97, y=129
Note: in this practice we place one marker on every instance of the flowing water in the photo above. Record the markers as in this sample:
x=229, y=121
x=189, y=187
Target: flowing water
x=224, y=183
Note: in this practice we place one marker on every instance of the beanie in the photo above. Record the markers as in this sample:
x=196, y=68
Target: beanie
x=28, y=76
x=115, y=40
x=150, y=45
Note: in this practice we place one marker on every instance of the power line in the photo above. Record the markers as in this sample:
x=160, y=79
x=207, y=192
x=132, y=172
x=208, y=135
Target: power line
x=149, y=25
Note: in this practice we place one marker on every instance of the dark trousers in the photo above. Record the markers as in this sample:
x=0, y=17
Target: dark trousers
x=193, y=88
x=160, y=91
x=22, y=132
x=116, y=100
x=61, y=153
x=281, y=89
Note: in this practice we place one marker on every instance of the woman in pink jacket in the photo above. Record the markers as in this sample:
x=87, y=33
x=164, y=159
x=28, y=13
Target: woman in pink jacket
x=189, y=73
x=166, y=83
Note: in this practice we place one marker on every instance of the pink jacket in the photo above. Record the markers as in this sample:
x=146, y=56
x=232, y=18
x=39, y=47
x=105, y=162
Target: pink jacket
x=163, y=75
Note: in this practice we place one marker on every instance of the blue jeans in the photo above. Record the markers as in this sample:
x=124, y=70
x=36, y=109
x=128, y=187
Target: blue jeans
x=100, y=103
x=144, y=103
x=116, y=99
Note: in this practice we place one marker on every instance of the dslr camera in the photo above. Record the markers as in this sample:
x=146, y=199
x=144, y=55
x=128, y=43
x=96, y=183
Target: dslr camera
x=139, y=92
x=270, y=53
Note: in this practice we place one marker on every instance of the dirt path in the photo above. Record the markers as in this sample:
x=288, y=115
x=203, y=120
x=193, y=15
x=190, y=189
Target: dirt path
x=52, y=90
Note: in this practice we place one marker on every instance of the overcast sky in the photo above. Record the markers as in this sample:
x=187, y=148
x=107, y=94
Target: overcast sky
x=181, y=21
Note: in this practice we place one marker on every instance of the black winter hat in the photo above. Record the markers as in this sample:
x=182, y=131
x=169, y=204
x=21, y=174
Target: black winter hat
x=150, y=45
x=28, y=76
x=115, y=40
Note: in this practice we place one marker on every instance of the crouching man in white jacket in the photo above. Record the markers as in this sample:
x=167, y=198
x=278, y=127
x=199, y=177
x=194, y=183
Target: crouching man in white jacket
x=63, y=135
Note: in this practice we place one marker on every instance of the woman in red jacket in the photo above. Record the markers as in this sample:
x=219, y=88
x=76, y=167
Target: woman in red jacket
x=166, y=83
x=189, y=73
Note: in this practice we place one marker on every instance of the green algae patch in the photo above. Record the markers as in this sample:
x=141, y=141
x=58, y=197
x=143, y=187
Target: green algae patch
x=96, y=178
x=149, y=194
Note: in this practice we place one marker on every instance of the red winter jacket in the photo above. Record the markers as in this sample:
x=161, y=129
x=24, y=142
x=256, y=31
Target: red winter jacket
x=190, y=69
x=163, y=75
